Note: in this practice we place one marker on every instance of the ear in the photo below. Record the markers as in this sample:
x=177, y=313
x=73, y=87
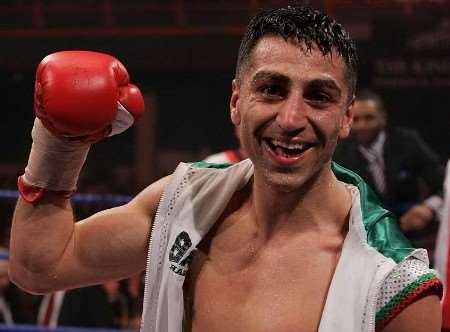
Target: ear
x=234, y=109
x=347, y=120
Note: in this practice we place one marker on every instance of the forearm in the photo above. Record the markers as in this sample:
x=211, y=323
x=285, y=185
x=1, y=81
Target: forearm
x=43, y=222
x=40, y=236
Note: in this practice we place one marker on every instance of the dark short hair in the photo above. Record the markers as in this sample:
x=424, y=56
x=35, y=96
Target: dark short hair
x=366, y=94
x=306, y=25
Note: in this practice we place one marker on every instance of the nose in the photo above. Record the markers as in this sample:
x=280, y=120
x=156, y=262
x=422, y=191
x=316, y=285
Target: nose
x=359, y=123
x=291, y=116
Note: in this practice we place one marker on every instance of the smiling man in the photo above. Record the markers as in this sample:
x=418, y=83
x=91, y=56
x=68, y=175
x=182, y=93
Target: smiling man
x=283, y=241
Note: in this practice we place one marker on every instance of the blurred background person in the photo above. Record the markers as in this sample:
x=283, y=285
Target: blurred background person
x=396, y=163
x=16, y=306
x=99, y=306
x=228, y=156
x=5, y=310
x=135, y=294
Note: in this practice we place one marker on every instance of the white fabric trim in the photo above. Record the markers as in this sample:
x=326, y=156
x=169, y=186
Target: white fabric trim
x=402, y=275
x=356, y=279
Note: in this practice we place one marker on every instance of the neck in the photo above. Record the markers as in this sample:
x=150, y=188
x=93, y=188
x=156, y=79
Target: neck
x=321, y=205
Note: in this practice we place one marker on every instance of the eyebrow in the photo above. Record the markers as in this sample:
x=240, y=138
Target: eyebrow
x=325, y=83
x=280, y=78
x=270, y=75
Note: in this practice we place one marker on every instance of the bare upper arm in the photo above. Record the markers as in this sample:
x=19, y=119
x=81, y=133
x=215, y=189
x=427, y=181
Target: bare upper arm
x=424, y=315
x=114, y=242
x=52, y=252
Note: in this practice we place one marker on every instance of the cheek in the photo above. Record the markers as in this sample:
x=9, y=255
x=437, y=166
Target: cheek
x=249, y=130
x=327, y=124
x=245, y=129
x=235, y=117
x=371, y=128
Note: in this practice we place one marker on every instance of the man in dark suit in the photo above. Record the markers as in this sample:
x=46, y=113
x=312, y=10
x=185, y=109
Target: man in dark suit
x=101, y=306
x=396, y=162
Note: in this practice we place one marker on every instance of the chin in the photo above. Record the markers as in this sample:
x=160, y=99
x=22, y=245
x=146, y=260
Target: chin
x=285, y=182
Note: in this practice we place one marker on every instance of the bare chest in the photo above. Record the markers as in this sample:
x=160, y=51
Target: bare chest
x=281, y=289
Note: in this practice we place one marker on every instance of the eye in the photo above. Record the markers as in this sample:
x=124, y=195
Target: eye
x=369, y=117
x=319, y=99
x=272, y=91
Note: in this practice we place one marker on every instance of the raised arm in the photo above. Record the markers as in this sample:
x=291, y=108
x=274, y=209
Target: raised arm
x=80, y=97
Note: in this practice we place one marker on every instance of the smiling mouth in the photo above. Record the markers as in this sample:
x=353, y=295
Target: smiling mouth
x=286, y=149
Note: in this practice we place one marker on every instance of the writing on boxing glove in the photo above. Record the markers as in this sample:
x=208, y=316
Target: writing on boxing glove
x=85, y=95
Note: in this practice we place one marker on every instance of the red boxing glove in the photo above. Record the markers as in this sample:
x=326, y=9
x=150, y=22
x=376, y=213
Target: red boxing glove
x=79, y=94
x=80, y=97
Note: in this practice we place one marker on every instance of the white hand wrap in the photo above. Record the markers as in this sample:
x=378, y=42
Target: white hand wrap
x=55, y=162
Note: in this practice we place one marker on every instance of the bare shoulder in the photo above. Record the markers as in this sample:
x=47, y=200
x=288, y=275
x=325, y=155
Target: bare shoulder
x=140, y=210
x=148, y=199
x=424, y=315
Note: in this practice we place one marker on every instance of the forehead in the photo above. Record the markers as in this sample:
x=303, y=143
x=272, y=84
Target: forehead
x=295, y=60
x=365, y=107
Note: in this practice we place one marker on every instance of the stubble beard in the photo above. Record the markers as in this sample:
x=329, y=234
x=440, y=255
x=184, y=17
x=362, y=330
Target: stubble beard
x=287, y=180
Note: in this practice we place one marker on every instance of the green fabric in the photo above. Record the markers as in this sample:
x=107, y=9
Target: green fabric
x=204, y=164
x=382, y=229
x=400, y=296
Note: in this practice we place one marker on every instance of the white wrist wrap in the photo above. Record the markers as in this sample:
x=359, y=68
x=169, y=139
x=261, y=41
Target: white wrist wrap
x=55, y=162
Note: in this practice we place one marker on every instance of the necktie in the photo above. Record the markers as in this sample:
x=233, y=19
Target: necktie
x=376, y=169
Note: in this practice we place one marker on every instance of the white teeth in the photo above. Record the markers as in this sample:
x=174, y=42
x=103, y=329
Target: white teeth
x=288, y=145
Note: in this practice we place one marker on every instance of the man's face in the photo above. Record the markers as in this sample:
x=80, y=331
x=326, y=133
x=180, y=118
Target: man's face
x=290, y=106
x=368, y=121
